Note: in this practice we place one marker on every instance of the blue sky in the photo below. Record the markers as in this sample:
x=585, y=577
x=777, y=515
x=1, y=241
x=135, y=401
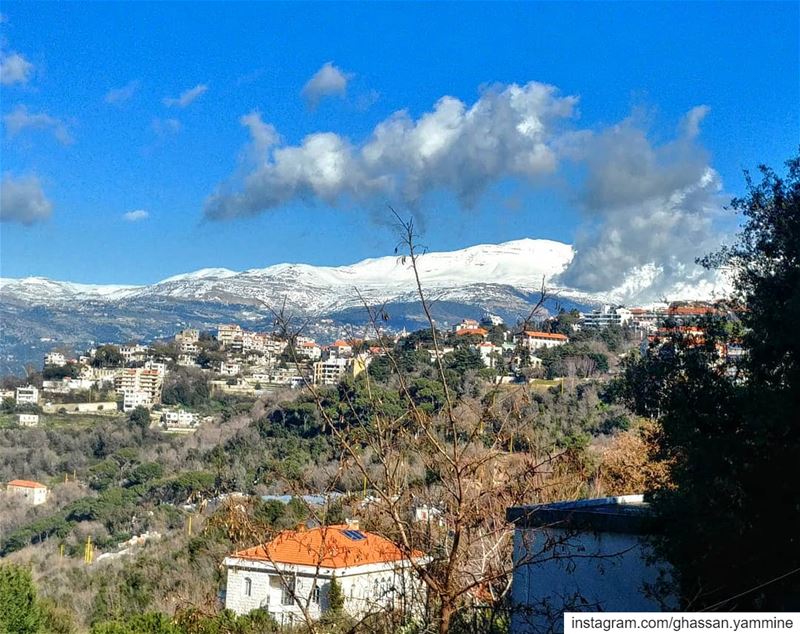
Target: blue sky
x=701, y=90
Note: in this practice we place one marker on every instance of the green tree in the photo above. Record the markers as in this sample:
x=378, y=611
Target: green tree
x=139, y=417
x=335, y=596
x=20, y=611
x=107, y=356
x=732, y=515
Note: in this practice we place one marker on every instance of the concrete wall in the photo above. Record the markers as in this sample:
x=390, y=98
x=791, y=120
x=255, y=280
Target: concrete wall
x=579, y=571
x=106, y=407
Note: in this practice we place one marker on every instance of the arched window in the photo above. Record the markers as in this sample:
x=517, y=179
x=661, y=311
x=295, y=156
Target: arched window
x=248, y=586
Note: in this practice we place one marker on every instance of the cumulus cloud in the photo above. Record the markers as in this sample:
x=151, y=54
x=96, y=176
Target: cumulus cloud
x=328, y=81
x=136, y=215
x=121, y=95
x=22, y=200
x=649, y=208
x=649, y=211
x=461, y=148
x=21, y=119
x=15, y=69
x=186, y=97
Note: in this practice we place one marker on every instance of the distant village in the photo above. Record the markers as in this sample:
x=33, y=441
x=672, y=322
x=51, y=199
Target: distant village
x=249, y=364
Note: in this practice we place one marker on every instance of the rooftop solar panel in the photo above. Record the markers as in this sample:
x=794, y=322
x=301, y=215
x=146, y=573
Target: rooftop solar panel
x=354, y=535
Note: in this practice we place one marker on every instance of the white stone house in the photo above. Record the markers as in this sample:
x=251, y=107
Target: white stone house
x=586, y=555
x=291, y=576
x=55, y=358
x=534, y=339
x=489, y=353
x=29, y=492
x=179, y=419
x=28, y=420
x=27, y=395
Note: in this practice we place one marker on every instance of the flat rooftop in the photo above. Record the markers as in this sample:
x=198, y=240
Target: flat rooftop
x=622, y=514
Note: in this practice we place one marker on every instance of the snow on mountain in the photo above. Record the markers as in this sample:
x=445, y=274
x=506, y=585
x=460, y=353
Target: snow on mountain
x=40, y=290
x=521, y=264
x=473, y=275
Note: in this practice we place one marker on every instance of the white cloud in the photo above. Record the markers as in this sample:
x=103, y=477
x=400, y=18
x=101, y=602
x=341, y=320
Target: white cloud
x=121, y=95
x=22, y=200
x=136, y=216
x=166, y=127
x=649, y=211
x=21, y=119
x=463, y=149
x=327, y=81
x=15, y=69
x=186, y=97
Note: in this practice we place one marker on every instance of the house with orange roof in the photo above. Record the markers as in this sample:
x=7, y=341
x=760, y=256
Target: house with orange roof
x=290, y=577
x=28, y=491
x=341, y=349
x=534, y=339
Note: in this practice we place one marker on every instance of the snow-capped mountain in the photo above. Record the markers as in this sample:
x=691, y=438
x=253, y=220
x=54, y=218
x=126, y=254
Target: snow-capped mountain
x=521, y=264
x=38, y=314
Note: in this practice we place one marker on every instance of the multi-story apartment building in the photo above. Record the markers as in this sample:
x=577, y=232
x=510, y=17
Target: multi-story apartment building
x=607, y=316
x=228, y=333
x=133, y=353
x=27, y=395
x=331, y=371
x=139, y=387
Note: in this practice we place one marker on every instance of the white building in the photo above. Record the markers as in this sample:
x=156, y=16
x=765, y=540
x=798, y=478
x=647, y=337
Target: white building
x=139, y=386
x=188, y=334
x=489, y=353
x=27, y=395
x=534, y=339
x=294, y=572
x=55, y=358
x=28, y=420
x=227, y=334
x=179, y=420
x=131, y=399
x=134, y=352
x=588, y=555
x=330, y=372
x=340, y=349
x=607, y=316
x=466, y=324
x=229, y=369
x=66, y=385
x=308, y=349
x=32, y=493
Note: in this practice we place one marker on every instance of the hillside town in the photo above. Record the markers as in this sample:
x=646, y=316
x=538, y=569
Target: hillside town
x=122, y=377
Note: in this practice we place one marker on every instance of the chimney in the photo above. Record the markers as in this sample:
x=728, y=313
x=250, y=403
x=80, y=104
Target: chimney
x=352, y=523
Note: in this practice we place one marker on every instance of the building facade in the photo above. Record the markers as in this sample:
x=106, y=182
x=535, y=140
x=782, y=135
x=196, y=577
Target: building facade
x=291, y=576
x=27, y=395
x=28, y=492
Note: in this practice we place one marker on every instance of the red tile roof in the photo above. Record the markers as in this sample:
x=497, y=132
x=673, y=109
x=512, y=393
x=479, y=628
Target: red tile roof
x=30, y=484
x=327, y=547
x=472, y=331
x=546, y=335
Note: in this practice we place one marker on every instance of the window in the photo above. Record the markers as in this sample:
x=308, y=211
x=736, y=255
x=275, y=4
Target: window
x=315, y=594
x=248, y=586
x=287, y=596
